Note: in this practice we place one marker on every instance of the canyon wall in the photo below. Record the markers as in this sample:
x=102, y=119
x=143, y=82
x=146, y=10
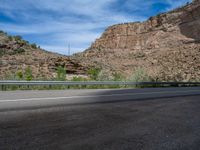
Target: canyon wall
x=166, y=46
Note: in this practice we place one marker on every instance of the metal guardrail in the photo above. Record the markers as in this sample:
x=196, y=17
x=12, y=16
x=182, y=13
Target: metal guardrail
x=95, y=83
x=24, y=85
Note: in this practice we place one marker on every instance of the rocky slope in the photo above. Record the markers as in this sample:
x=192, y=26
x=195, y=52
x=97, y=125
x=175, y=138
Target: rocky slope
x=17, y=54
x=166, y=46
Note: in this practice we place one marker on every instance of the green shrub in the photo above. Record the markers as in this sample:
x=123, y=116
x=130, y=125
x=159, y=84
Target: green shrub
x=28, y=74
x=19, y=50
x=93, y=73
x=22, y=42
x=140, y=76
x=19, y=75
x=79, y=79
x=117, y=77
x=61, y=73
x=104, y=75
x=34, y=45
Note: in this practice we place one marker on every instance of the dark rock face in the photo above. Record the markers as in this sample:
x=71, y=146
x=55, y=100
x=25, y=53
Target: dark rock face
x=167, y=46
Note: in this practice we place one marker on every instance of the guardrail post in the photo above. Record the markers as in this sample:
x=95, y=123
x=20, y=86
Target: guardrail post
x=2, y=87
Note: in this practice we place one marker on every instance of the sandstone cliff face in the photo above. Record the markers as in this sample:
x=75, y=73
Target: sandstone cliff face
x=17, y=54
x=166, y=46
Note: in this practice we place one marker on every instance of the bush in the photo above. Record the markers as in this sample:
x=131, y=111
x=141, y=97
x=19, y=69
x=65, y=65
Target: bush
x=117, y=77
x=93, y=73
x=17, y=38
x=19, y=50
x=19, y=75
x=28, y=74
x=104, y=75
x=79, y=79
x=140, y=76
x=22, y=42
x=34, y=45
x=61, y=73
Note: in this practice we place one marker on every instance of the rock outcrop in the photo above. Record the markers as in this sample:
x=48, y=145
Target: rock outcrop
x=166, y=46
x=16, y=55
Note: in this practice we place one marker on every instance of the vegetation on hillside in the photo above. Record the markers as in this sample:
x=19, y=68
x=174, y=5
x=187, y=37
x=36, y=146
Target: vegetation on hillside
x=24, y=75
x=140, y=75
x=61, y=73
x=93, y=73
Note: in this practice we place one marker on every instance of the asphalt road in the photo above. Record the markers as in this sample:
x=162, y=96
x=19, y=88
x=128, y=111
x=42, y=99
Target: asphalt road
x=160, y=118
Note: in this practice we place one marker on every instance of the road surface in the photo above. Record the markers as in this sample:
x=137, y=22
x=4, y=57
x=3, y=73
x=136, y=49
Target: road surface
x=154, y=118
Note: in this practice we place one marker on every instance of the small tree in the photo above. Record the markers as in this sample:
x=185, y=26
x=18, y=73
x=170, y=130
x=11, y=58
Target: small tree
x=28, y=74
x=93, y=73
x=61, y=73
x=19, y=75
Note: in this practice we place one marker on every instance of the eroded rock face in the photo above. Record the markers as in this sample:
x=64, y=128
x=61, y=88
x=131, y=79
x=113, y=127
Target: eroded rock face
x=167, y=46
x=17, y=54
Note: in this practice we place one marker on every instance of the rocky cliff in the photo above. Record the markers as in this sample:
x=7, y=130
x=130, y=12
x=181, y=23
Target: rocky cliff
x=17, y=54
x=166, y=46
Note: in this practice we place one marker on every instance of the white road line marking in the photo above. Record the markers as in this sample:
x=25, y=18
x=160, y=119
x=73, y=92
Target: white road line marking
x=94, y=96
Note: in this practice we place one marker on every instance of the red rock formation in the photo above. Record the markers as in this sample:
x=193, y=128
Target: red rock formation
x=167, y=46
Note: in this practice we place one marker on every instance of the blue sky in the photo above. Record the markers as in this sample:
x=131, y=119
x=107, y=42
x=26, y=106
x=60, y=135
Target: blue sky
x=53, y=24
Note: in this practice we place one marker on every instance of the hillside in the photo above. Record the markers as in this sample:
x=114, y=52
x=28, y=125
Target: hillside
x=17, y=54
x=166, y=47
